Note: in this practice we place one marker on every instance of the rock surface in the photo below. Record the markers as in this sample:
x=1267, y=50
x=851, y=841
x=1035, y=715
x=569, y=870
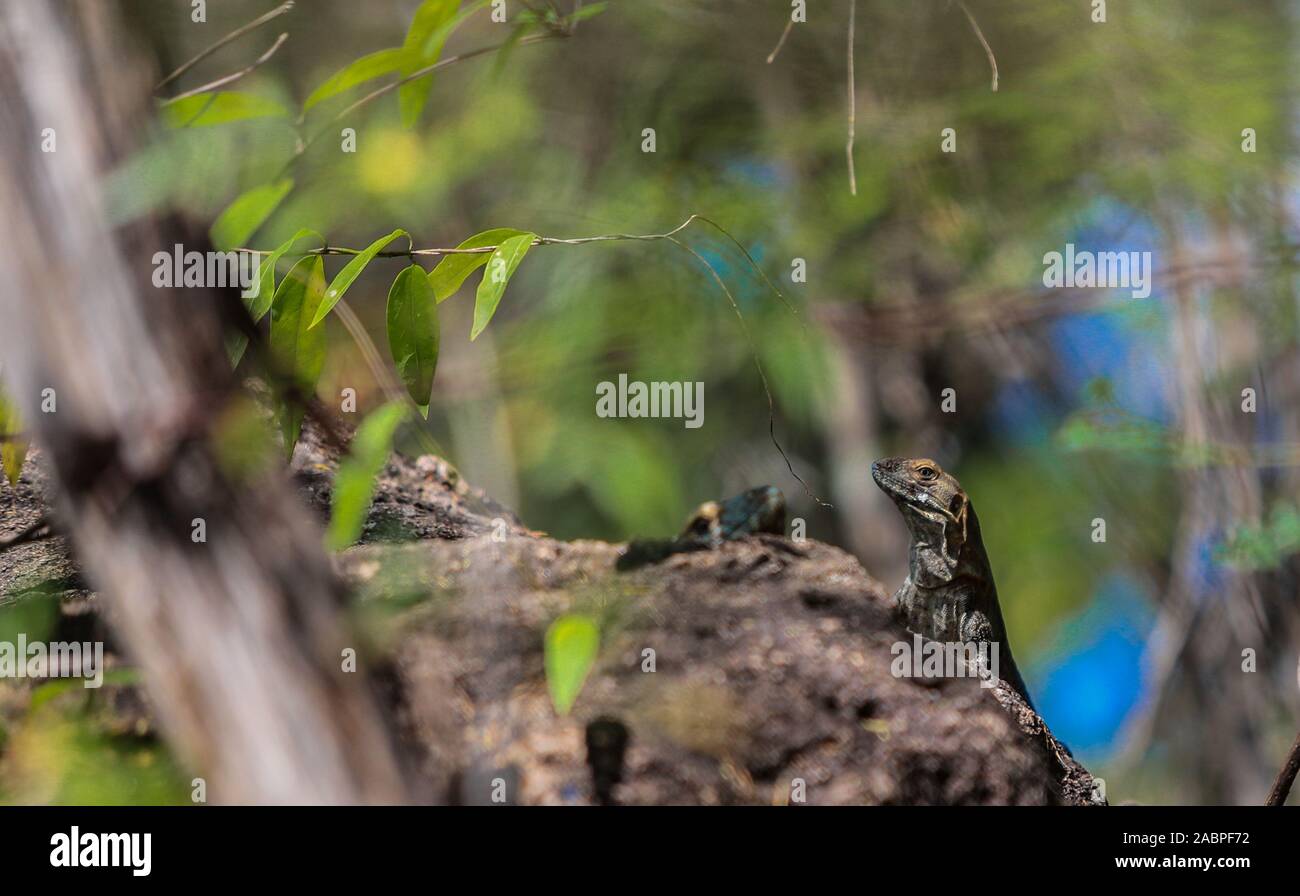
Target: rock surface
x=771, y=679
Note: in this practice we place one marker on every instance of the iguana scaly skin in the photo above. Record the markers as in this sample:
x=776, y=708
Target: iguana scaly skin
x=948, y=594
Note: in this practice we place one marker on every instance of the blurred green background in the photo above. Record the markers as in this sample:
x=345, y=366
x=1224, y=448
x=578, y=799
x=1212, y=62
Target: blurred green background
x=1071, y=405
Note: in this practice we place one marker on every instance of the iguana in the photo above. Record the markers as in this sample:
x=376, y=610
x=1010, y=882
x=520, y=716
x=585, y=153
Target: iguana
x=757, y=510
x=948, y=594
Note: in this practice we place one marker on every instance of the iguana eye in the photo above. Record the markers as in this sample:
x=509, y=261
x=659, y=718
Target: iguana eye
x=926, y=473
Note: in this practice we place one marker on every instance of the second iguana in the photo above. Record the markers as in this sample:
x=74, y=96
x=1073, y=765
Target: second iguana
x=757, y=510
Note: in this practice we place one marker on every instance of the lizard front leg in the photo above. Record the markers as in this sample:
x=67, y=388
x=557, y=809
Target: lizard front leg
x=977, y=628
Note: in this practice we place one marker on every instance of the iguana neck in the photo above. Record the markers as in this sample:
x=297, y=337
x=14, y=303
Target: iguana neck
x=960, y=607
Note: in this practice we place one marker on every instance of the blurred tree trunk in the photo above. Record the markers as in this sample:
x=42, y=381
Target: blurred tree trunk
x=1211, y=614
x=871, y=529
x=239, y=637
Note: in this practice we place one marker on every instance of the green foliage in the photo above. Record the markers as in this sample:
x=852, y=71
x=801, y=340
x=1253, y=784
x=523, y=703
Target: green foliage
x=13, y=450
x=351, y=271
x=1093, y=431
x=261, y=303
x=586, y=12
x=247, y=213
x=67, y=750
x=258, y=305
x=354, y=485
x=206, y=109
x=301, y=302
x=413, y=332
x=1031, y=519
x=367, y=68
x=501, y=267
x=451, y=272
x=422, y=47
x=571, y=645
x=51, y=690
x=298, y=348
x=1266, y=546
x=34, y=617
x=242, y=440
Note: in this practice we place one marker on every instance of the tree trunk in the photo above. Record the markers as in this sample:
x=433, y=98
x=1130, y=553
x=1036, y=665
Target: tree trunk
x=240, y=636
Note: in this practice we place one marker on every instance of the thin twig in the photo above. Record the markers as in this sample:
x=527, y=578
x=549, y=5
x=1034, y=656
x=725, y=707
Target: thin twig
x=762, y=375
x=429, y=69
x=419, y=73
x=988, y=51
x=853, y=104
x=1286, y=777
x=484, y=250
x=557, y=241
x=781, y=41
x=234, y=35
x=234, y=76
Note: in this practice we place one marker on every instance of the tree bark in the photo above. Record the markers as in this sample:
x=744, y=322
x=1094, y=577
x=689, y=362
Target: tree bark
x=239, y=637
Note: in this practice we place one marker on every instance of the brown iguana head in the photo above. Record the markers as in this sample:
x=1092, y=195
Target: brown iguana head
x=936, y=511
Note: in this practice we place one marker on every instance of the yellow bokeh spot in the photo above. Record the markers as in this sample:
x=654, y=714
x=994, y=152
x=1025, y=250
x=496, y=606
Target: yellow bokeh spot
x=390, y=162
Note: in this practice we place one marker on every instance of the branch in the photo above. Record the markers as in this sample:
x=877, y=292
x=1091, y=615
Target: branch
x=1286, y=777
x=853, y=104
x=419, y=73
x=484, y=250
x=234, y=35
x=234, y=76
x=972, y=312
x=442, y=63
x=988, y=51
x=781, y=41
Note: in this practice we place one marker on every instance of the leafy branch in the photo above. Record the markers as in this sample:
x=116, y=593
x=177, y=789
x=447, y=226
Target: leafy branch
x=302, y=300
x=415, y=62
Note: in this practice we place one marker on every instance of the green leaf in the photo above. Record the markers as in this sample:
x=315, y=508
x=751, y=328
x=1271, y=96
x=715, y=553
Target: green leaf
x=367, y=68
x=354, y=485
x=261, y=303
x=351, y=271
x=422, y=47
x=432, y=48
x=258, y=305
x=247, y=213
x=451, y=272
x=13, y=451
x=413, y=332
x=587, y=12
x=298, y=349
x=236, y=345
x=572, y=643
x=500, y=268
x=204, y=109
